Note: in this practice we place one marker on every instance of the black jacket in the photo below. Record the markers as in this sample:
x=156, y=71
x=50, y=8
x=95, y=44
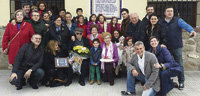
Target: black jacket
x=136, y=31
x=28, y=58
x=39, y=28
x=157, y=32
x=86, y=43
x=49, y=67
x=63, y=37
x=145, y=20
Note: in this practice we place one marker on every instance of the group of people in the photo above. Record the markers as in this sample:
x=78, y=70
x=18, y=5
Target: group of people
x=150, y=49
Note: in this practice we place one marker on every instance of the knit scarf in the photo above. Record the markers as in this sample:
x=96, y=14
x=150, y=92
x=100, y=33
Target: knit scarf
x=92, y=37
x=109, y=55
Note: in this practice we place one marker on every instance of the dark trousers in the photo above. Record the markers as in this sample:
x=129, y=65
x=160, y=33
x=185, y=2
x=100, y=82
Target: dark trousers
x=177, y=54
x=109, y=72
x=35, y=77
x=166, y=81
x=84, y=70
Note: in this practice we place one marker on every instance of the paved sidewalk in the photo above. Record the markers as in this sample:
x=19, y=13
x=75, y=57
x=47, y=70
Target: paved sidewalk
x=192, y=88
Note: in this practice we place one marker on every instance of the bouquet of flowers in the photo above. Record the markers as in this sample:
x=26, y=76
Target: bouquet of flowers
x=77, y=55
x=81, y=51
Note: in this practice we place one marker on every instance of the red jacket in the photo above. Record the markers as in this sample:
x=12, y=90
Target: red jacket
x=111, y=29
x=23, y=37
x=84, y=27
x=89, y=38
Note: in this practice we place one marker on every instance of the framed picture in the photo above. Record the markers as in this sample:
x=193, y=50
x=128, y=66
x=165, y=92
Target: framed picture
x=109, y=8
x=61, y=62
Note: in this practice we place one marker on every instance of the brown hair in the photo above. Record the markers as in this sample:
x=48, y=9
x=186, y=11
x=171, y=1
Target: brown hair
x=94, y=26
x=152, y=37
x=100, y=16
x=51, y=46
x=104, y=34
x=42, y=2
x=34, y=7
x=20, y=10
x=111, y=21
x=80, y=17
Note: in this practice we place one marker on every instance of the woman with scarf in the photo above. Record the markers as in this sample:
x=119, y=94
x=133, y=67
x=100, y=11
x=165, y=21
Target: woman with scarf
x=109, y=51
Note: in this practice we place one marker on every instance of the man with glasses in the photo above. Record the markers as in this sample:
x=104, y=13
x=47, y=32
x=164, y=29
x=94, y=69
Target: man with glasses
x=136, y=28
x=81, y=41
x=38, y=26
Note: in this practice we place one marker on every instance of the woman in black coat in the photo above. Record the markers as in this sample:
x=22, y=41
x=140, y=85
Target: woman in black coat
x=154, y=29
x=55, y=76
x=61, y=34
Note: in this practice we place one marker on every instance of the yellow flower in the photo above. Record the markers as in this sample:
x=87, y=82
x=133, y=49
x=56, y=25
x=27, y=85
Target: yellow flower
x=79, y=51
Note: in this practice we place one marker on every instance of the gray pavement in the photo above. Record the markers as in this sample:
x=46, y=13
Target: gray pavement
x=192, y=88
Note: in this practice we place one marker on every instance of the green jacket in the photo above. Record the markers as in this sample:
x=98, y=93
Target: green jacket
x=39, y=28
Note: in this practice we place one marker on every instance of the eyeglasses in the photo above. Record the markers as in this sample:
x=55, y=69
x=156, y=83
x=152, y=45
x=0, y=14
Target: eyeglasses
x=79, y=33
x=36, y=15
x=59, y=20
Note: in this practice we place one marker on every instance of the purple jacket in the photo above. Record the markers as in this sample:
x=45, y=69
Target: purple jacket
x=115, y=51
x=111, y=29
x=90, y=24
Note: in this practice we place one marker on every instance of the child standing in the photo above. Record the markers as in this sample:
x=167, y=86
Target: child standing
x=95, y=56
x=120, y=49
x=128, y=50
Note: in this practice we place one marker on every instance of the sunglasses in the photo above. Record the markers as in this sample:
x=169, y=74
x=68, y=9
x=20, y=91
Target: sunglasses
x=79, y=33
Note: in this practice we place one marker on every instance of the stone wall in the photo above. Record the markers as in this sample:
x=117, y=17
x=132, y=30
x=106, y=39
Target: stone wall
x=191, y=51
x=3, y=58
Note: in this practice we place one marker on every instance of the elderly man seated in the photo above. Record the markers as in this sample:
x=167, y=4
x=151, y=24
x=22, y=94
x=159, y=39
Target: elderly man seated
x=81, y=41
x=27, y=64
x=141, y=66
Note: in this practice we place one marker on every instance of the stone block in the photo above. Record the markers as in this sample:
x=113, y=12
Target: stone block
x=191, y=65
x=198, y=47
x=188, y=48
x=190, y=41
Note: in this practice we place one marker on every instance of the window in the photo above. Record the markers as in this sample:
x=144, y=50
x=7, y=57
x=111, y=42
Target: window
x=184, y=9
x=55, y=5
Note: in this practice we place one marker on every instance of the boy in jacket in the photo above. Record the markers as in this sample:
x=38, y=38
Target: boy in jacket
x=95, y=56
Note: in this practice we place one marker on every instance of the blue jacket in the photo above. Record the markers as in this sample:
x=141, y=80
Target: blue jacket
x=173, y=32
x=95, y=56
x=163, y=55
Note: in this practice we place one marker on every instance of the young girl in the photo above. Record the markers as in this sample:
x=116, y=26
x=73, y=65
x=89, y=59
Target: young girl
x=113, y=25
x=81, y=24
x=93, y=21
x=42, y=7
x=120, y=49
x=102, y=20
x=128, y=50
x=115, y=36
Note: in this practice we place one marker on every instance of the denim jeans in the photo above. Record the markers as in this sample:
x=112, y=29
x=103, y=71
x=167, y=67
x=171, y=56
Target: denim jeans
x=177, y=54
x=131, y=84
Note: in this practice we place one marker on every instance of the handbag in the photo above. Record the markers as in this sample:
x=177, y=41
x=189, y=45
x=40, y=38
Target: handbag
x=13, y=39
x=61, y=62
